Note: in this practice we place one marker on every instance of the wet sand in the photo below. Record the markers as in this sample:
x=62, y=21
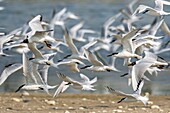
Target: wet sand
x=78, y=103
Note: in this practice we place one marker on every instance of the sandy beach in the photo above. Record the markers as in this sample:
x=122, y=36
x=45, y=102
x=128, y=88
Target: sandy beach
x=78, y=103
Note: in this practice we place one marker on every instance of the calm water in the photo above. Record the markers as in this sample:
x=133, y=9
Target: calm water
x=94, y=13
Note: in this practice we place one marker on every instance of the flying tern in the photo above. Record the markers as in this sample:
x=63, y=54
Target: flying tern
x=84, y=84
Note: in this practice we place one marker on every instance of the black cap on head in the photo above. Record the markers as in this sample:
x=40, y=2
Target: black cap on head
x=132, y=64
x=25, y=41
x=31, y=58
x=40, y=17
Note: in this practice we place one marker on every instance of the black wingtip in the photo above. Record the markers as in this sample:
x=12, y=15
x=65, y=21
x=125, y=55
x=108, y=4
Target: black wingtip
x=121, y=100
x=85, y=67
x=19, y=88
x=9, y=65
x=124, y=75
x=110, y=89
x=111, y=54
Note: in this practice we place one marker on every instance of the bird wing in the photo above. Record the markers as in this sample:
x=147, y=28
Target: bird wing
x=44, y=72
x=69, y=41
x=87, y=46
x=35, y=23
x=150, y=56
x=140, y=42
x=153, y=30
x=34, y=50
x=75, y=29
x=104, y=31
x=159, y=5
x=84, y=77
x=61, y=88
x=165, y=2
x=92, y=58
x=93, y=80
x=28, y=70
x=138, y=72
x=37, y=75
x=165, y=28
x=127, y=40
x=9, y=69
x=4, y=39
x=68, y=79
x=117, y=92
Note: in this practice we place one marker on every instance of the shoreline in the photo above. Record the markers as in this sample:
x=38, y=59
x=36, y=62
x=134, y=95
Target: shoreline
x=76, y=103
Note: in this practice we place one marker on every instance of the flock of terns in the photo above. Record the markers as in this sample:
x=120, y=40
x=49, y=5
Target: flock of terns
x=138, y=46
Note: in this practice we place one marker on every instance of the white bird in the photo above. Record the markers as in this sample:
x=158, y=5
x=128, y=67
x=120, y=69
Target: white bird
x=71, y=63
x=69, y=41
x=4, y=39
x=74, y=30
x=96, y=64
x=39, y=58
x=156, y=11
x=85, y=84
x=61, y=17
x=35, y=24
x=136, y=94
x=17, y=48
x=128, y=50
x=33, y=79
x=107, y=24
x=38, y=33
x=142, y=65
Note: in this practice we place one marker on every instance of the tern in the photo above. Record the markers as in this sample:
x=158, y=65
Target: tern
x=17, y=48
x=4, y=39
x=136, y=94
x=157, y=11
x=71, y=63
x=142, y=65
x=38, y=33
x=128, y=49
x=39, y=58
x=85, y=84
x=96, y=64
x=34, y=80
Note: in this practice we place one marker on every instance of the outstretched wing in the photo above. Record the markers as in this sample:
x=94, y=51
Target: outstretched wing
x=35, y=23
x=9, y=69
x=61, y=88
x=68, y=79
x=117, y=92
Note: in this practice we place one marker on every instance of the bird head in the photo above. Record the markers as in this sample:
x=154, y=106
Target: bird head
x=132, y=64
x=25, y=41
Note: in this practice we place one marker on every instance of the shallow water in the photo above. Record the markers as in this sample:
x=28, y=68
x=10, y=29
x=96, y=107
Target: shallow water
x=94, y=14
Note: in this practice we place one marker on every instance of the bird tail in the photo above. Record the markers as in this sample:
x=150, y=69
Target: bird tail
x=145, y=99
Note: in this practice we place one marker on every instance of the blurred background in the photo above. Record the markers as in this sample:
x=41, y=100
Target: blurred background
x=94, y=13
